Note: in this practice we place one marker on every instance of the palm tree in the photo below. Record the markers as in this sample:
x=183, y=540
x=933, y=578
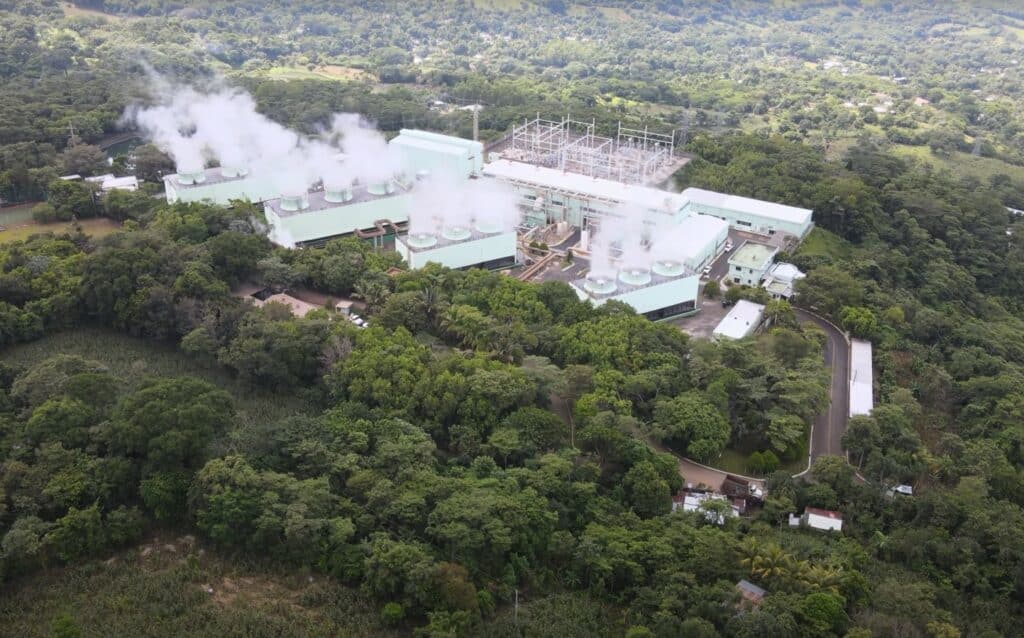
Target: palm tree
x=373, y=292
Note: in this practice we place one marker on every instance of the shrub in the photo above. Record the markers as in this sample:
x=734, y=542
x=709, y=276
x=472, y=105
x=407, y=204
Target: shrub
x=392, y=614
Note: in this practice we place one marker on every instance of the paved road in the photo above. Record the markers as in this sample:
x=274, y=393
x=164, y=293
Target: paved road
x=831, y=424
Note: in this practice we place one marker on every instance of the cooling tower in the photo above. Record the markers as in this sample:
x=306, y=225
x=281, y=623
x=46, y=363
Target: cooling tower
x=635, y=276
x=456, y=233
x=380, y=188
x=420, y=240
x=668, y=268
x=234, y=171
x=294, y=202
x=487, y=227
x=599, y=285
x=338, y=195
x=191, y=177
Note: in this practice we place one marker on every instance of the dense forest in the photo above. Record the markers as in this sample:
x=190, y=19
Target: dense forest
x=485, y=459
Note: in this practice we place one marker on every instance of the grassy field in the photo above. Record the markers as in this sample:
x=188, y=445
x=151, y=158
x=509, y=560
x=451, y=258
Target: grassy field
x=162, y=588
x=735, y=462
x=136, y=359
x=98, y=227
x=70, y=10
x=821, y=242
x=962, y=164
x=323, y=72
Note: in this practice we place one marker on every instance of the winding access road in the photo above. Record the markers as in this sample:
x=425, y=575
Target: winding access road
x=829, y=427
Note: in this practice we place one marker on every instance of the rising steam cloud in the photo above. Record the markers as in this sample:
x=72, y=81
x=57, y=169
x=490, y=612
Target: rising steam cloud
x=219, y=123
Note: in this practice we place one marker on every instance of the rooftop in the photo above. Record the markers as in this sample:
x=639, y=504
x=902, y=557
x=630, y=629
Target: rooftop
x=213, y=176
x=405, y=139
x=622, y=287
x=695, y=233
x=592, y=187
x=862, y=399
x=750, y=591
x=824, y=513
x=318, y=202
x=742, y=318
x=748, y=205
x=443, y=241
x=753, y=255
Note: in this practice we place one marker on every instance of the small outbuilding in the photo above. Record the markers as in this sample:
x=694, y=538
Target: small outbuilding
x=743, y=320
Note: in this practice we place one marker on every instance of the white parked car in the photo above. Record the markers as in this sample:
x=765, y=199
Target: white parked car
x=706, y=272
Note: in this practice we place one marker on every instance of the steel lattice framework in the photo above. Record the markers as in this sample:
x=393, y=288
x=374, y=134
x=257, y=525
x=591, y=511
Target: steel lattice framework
x=632, y=157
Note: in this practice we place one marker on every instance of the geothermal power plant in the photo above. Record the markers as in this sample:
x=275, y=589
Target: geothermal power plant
x=440, y=200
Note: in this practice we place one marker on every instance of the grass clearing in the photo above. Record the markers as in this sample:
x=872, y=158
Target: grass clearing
x=97, y=227
x=330, y=72
x=961, y=164
x=161, y=588
x=735, y=462
x=71, y=10
x=134, y=359
x=823, y=243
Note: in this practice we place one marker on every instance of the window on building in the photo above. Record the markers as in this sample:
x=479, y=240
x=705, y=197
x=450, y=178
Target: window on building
x=740, y=222
x=771, y=231
x=736, y=280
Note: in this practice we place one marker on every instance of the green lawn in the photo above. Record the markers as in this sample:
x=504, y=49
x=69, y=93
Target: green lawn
x=326, y=72
x=820, y=242
x=735, y=462
x=98, y=227
x=133, y=360
x=962, y=164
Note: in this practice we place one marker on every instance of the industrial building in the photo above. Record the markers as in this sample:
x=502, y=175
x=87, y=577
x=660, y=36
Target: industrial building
x=315, y=217
x=752, y=215
x=743, y=320
x=862, y=394
x=699, y=239
x=666, y=289
x=749, y=264
x=477, y=246
x=549, y=195
x=218, y=186
x=450, y=158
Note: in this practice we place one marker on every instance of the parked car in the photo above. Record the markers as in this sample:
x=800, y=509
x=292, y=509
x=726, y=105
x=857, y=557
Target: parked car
x=726, y=303
x=706, y=272
x=728, y=245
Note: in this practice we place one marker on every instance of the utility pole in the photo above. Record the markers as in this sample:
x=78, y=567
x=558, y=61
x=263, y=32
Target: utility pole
x=74, y=140
x=515, y=611
x=476, y=122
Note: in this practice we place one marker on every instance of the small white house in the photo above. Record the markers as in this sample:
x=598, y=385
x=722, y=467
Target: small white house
x=742, y=321
x=780, y=280
x=819, y=519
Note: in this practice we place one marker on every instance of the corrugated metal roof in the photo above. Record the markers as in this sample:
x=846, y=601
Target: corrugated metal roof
x=596, y=187
x=749, y=205
x=862, y=398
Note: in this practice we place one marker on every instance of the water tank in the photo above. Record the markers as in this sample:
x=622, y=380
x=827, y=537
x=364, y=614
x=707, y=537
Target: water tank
x=668, y=268
x=233, y=171
x=635, y=276
x=420, y=240
x=456, y=233
x=381, y=188
x=191, y=177
x=294, y=202
x=599, y=285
